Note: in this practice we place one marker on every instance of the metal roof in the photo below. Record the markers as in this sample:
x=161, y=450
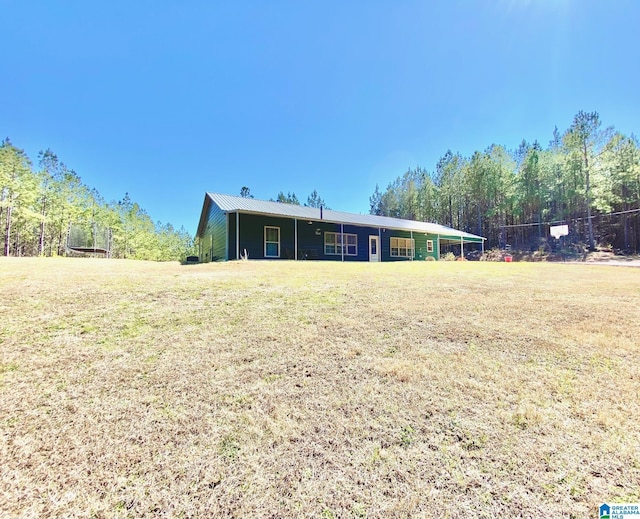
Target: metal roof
x=230, y=204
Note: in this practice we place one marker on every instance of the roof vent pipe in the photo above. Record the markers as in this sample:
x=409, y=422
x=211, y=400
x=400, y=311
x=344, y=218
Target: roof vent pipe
x=320, y=212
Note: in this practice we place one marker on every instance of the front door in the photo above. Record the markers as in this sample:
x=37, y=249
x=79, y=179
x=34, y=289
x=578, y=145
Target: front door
x=374, y=248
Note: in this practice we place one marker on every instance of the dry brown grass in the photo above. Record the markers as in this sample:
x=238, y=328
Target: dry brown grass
x=282, y=389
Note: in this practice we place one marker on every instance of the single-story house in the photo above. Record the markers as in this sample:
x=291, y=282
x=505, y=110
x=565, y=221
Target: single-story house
x=232, y=227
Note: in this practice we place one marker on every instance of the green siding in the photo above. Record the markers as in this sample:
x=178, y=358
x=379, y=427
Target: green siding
x=311, y=239
x=421, y=246
x=420, y=241
x=252, y=235
x=217, y=236
x=386, y=244
x=363, y=234
x=231, y=217
x=434, y=253
x=213, y=240
x=218, y=239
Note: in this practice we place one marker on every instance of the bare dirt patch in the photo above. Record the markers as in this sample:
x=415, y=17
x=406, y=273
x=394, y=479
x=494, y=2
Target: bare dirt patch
x=309, y=389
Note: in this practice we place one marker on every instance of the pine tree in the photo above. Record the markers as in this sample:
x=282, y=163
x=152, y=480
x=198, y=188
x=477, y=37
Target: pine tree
x=314, y=200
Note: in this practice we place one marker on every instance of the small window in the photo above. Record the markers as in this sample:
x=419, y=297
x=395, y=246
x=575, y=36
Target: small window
x=402, y=247
x=334, y=242
x=351, y=245
x=272, y=242
x=429, y=245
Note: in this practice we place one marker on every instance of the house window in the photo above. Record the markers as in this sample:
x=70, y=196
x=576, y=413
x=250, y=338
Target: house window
x=335, y=241
x=271, y=242
x=402, y=247
x=429, y=245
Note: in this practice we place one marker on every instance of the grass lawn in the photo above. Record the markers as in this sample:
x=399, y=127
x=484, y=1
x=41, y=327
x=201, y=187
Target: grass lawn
x=317, y=389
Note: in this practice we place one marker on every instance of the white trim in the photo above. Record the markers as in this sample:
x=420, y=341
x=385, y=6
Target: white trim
x=266, y=242
x=429, y=242
x=344, y=244
x=374, y=257
x=406, y=246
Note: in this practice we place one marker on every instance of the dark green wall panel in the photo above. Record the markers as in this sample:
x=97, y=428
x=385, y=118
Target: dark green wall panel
x=213, y=241
x=420, y=242
x=252, y=235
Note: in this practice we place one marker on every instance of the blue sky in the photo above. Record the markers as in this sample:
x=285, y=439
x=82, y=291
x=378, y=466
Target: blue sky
x=168, y=100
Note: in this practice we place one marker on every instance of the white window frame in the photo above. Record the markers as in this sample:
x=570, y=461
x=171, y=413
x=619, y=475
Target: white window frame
x=336, y=241
x=268, y=242
x=429, y=245
x=402, y=247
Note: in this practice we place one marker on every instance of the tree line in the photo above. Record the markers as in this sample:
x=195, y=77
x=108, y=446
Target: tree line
x=313, y=200
x=587, y=177
x=45, y=206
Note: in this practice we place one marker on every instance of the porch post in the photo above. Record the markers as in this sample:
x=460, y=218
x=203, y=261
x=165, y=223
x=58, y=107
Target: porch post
x=237, y=235
x=413, y=245
x=295, y=239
